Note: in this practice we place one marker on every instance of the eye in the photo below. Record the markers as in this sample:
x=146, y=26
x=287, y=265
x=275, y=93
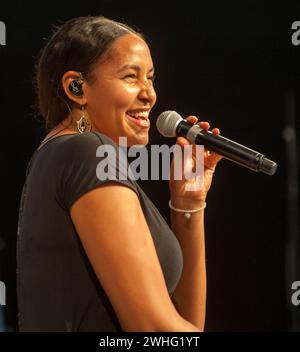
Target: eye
x=152, y=78
x=130, y=76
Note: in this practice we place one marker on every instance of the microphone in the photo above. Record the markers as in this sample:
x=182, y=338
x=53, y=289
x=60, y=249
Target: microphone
x=171, y=124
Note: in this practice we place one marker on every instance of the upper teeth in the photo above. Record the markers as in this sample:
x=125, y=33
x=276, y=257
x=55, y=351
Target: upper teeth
x=144, y=114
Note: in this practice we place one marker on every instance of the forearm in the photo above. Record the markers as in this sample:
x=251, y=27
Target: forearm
x=190, y=294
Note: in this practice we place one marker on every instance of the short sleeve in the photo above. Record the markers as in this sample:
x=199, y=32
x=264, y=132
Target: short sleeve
x=88, y=161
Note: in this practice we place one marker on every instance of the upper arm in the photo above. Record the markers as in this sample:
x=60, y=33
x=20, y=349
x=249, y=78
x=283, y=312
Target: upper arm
x=119, y=245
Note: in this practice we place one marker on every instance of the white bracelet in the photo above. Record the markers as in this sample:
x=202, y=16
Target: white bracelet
x=187, y=213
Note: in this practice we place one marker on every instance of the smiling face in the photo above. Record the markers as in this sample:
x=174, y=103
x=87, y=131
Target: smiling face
x=122, y=95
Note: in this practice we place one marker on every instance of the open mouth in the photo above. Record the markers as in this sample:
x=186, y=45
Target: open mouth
x=140, y=118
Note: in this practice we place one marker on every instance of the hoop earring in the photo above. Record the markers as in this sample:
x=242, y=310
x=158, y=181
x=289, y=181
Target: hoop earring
x=83, y=124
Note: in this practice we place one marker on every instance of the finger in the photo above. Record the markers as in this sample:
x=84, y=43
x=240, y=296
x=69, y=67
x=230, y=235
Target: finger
x=216, y=131
x=192, y=119
x=204, y=124
x=182, y=141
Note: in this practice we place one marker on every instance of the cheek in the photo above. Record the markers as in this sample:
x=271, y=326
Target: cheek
x=154, y=96
x=113, y=97
x=125, y=97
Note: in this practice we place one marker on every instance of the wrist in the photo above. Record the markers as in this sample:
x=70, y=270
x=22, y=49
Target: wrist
x=189, y=204
x=187, y=212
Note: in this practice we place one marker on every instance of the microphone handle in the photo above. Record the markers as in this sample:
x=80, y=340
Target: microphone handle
x=230, y=150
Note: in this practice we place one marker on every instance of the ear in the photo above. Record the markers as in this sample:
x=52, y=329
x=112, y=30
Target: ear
x=67, y=79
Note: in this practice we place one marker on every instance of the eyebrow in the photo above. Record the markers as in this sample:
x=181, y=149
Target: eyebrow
x=134, y=67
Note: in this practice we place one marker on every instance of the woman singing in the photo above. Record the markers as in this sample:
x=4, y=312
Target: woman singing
x=94, y=254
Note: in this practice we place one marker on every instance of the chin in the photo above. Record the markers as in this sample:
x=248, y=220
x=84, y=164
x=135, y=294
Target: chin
x=142, y=140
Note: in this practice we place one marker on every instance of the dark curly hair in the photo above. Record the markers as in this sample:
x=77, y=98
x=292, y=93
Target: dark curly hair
x=76, y=45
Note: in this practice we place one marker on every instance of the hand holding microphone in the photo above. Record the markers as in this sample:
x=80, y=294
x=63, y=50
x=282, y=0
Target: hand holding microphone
x=189, y=193
x=171, y=124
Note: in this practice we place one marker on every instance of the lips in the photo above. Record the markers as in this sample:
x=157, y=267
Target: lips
x=139, y=117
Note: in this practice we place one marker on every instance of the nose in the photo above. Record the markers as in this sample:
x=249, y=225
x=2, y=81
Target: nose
x=147, y=94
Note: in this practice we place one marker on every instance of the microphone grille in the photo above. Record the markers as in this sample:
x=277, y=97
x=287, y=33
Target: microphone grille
x=167, y=122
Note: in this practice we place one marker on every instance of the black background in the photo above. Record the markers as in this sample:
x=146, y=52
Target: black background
x=230, y=63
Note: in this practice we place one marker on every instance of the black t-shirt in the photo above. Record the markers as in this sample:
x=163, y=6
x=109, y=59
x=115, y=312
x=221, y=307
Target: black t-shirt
x=57, y=287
